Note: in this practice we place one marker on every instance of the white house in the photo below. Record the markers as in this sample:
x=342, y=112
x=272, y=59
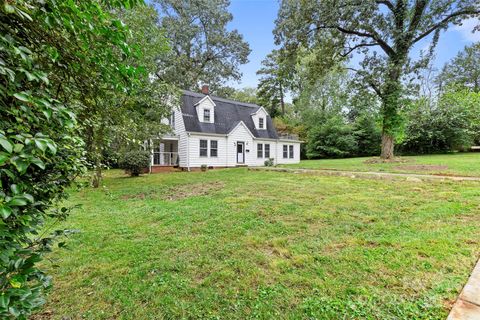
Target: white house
x=217, y=132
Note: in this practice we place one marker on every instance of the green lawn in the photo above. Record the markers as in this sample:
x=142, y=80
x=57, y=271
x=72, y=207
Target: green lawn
x=239, y=244
x=463, y=164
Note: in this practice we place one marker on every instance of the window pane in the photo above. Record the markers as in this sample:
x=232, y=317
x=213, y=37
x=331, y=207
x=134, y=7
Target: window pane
x=213, y=148
x=203, y=148
x=285, y=151
x=260, y=123
x=267, y=151
x=291, y=152
x=259, y=150
x=206, y=115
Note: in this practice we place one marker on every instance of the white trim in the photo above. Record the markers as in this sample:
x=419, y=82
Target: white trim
x=245, y=126
x=188, y=151
x=207, y=134
x=261, y=108
x=203, y=99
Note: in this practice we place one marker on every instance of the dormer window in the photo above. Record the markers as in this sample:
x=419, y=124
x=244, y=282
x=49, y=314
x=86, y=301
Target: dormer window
x=261, y=124
x=206, y=115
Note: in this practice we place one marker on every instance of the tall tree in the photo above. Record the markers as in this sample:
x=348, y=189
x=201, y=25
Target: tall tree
x=203, y=49
x=382, y=31
x=271, y=86
x=463, y=70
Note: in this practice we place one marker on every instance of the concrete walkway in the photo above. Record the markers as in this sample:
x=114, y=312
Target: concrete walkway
x=413, y=177
x=467, y=306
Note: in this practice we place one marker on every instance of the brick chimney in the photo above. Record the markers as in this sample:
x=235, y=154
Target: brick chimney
x=205, y=89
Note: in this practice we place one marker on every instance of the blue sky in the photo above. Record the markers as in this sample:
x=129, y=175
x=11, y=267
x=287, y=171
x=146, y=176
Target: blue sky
x=255, y=20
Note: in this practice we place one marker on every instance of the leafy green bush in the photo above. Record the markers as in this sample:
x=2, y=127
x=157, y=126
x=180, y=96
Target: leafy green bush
x=450, y=125
x=331, y=139
x=269, y=162
x=134, y=162
x=41, y=153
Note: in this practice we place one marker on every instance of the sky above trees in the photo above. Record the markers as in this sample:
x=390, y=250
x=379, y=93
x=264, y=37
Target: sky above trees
x=255, y=19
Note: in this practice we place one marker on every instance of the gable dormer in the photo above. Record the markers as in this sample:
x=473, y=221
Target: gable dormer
x=259, y=118
x=205, y=110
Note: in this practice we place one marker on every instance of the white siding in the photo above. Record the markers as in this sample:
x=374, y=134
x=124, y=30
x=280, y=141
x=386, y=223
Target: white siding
x=194, y=151
x=260, y=114
x=183, y=138
x=296, y=152
x=240, y=133
x=273, y=145
x=206, y=103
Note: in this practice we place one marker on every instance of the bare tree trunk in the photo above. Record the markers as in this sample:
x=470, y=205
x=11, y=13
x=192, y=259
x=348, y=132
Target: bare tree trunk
x=387, y=146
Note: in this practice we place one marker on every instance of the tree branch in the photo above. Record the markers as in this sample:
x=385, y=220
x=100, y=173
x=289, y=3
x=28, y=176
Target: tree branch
x=386, y=3
x=371, y=83
x=361, y=45
x=444, y=22
x=384, y=45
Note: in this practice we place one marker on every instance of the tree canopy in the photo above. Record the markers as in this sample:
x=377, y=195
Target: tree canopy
x=463, y=70
x=204, y=50
x=383, y=32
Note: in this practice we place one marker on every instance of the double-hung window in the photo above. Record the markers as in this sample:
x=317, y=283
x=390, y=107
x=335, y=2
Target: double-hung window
x=206, y=115
x=213, y=148
x=267, y=151
x=259, y=150
x=290, y=151
x=285, y=151
x=261, y=123
x=203, y=148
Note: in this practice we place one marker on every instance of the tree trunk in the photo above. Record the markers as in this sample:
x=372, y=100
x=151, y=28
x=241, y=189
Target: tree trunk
x=391, y=104
x=388, y=146
x=282, y=101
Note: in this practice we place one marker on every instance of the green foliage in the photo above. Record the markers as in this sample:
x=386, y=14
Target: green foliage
x=247, y=94
x=272, y=84
x=367, y=134
x=452, y=124
x=205, y=50
x=331, y=139
x=463, y=71
x=134, y=162
x=382, y=32
x=50, y=50
x=269, y=162
x=270, y=245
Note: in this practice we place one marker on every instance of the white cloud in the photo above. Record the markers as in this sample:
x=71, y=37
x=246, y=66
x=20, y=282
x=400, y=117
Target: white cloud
x=466, y=30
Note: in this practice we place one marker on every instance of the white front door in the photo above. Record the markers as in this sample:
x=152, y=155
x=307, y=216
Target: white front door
x=240, y=152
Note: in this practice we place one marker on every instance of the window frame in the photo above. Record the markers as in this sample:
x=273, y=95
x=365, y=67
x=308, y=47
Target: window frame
x=203, y=148
x=261, y=123
x=285, y=151
x=290, y=151
x=266, y=150
x=259, y=150
x=214, y=149
x=205, y=112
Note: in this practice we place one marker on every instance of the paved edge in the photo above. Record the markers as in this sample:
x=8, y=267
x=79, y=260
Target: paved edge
x=467, y=306
x=369, y=175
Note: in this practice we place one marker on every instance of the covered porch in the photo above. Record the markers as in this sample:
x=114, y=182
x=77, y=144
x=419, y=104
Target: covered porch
x=164, y=152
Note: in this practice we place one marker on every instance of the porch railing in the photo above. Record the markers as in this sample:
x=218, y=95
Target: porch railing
x=288, y=136
x=165, y=158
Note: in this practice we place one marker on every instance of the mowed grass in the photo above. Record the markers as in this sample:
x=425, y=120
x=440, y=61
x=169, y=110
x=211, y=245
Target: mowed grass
x=238, y=244
x=461, y=164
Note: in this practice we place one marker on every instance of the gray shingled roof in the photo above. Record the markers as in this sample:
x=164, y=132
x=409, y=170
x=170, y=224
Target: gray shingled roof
x=227, y=115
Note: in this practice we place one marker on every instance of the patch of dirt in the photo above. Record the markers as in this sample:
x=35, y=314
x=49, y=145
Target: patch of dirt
x=422, y=167
x=380, y=160
x=133, y=196
x=192, y=190
x=178, y=192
